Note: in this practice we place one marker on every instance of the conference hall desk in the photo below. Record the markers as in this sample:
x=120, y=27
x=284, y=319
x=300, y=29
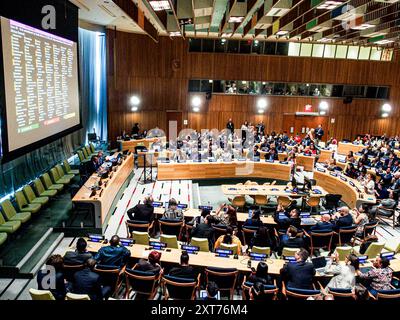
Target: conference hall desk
x=213, y=170
x=345, y=147
x=268, y=190
x=336, y=185
x=131, y=144
x=209, y=259
x=301, y=160
x=325, y=155
x=191, y=213
x=105, y=199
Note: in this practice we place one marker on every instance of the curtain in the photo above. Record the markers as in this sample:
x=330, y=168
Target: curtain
x=93, y=82
x=93, y=91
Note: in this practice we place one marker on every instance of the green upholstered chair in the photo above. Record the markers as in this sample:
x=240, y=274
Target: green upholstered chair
x=3, y=237
x=202, y=243
x=74, y=296
x=41, y=191
x=57, y=179
x=141, y=237
x=393, y=245
x=89, y=151
x=85, y=153
x=170, y=240
x=373, y=250
x=80, y=156
x=49, y=185
x=343, y=252
x=232, y=247
x=68, y=170
x=9, y=226
x=31, y=197
x=41, y=294
x=11, y=214
x=289, y=252
x=261, y=250
x=24, y=205
x=92, y=148
x=62, y=174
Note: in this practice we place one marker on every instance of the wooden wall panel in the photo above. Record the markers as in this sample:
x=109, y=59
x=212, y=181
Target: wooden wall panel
x=159, y=75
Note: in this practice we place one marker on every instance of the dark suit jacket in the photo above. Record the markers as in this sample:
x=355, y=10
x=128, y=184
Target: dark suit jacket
x=76, y=258
x=291, y=243
x=203, y=230
x=141, y=212
x=87, y=282
x=345, y=221
x=322, y=226
x=298, y=275
x=183, y=272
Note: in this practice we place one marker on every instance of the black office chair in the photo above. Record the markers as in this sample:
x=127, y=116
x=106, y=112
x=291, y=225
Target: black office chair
x=248, y=233
x=141, y=282
x=387, y=213
x=332, y=201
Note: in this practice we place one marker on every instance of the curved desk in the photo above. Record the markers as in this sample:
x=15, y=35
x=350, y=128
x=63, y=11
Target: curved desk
x=336, y=185
x=131, y=144
x=345, y=147
x=219, y=169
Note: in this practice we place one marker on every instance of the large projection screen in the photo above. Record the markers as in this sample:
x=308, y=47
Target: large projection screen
x=41, y=87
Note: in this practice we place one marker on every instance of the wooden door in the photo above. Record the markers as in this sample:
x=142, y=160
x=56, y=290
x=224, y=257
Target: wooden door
x=174, y=124
x=301, y=124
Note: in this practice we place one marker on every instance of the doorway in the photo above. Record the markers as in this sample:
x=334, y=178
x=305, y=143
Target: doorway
x=174, y=124
x=294, y=124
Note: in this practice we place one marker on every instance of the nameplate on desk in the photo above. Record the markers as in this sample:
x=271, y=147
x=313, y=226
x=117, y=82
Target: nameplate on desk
x=283, y=162
x=321, y=170
x=182, y=206
x=305, y=215
x=96, y=237
x=126, y=242
x=241, y=159
x=227, y=160
x=342, y=161
x=224, y=253
x=256, y=159
x=157, y=204
x=232, y=189
x=257, y=256
x=351, y=183
x=274, y=189
x=316, y=191
x=268, y=160
x=165, y=161
x=253, y=189
x=196, y=160
x=212, y=160
x=190, y=249
x=290, y=259
x=388, y=255
x=158, y=245
x=333, y=174
x=306, y=154
x=343, y=178
x=205, y=207
x=181, y=161
x=324, y=212
x=362, y=259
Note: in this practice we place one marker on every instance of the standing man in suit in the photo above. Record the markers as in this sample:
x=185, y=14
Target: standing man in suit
x=88, y=282
x=230, y=126
x=142, y=212
x=300, y=274
x=319, y=133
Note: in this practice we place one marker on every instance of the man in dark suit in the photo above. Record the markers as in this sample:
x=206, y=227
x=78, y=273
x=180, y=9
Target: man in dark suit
x=113, y=255
x=93, y=165
x=184, y=270
x=291, y=240
x=300, y=274
x=88, y=282
x=205, y=230
x=142, y=212
x=324, y=224
x=342, y=218
x=79, y=256
x=230, y=126
x=319, y=133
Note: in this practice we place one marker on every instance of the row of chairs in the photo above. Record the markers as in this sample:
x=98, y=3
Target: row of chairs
x=85, y=153
x=32, y=198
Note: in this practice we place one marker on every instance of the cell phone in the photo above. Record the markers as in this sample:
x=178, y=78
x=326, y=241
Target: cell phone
x=168, y=250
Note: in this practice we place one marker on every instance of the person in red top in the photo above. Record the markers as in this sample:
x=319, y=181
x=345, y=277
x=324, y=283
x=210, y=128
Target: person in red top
x=297, y=138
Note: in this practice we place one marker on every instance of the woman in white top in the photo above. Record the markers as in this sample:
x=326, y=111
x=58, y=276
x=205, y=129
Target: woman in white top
x=360, y=218
x=344, y=273
x=369, y=184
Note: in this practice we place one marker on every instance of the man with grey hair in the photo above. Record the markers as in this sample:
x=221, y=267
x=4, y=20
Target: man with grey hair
x=323, y=225
x=342, y=218
x=142, y=212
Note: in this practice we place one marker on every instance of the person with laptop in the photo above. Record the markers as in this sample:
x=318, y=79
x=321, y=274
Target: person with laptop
x=299, y=275
x=212, y=292
x=344, y=274
x=380, y=276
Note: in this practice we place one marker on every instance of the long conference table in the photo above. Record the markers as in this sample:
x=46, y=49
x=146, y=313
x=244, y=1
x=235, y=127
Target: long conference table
x=104, y=200
x=345, y=147
x=209, y=259
x=233, y=169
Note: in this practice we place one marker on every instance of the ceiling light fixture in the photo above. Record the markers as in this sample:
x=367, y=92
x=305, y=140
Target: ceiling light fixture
x=235, y=19
x=159, y=5
x=329, y=5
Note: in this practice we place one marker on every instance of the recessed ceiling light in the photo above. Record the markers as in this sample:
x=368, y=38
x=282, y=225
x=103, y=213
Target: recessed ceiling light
x=329, y=5
x=159, y=5
x=384, y=41
x=363, y=26
x=281, y=33
x=235, y=19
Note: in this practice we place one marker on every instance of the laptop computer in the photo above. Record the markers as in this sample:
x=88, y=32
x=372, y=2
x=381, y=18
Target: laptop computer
x=319, y=264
